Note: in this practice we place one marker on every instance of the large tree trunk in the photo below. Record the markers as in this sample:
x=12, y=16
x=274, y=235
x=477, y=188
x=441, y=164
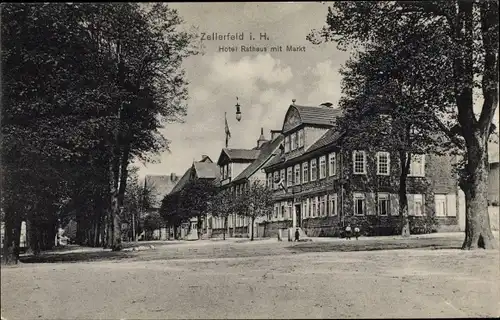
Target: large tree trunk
x=10, y=254
x=225, y=228
x=251, y=227
x=198, y=226
x=475, y=131
x=475, y=186
x=114, y=218
x=403, y=199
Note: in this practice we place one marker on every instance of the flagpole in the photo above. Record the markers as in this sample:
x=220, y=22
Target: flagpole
x=225, y=128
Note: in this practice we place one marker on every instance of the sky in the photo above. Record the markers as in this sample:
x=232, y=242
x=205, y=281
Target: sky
x=264, y=82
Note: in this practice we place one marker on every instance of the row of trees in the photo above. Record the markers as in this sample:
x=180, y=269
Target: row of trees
x=423, y=64
x=86, y=89
x=201, y=197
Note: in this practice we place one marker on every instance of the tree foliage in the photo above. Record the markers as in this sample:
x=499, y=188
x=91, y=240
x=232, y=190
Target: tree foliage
x=223, y=205
x=388, y=104
x=255, y=201
x=464, y=37
x=87, y=88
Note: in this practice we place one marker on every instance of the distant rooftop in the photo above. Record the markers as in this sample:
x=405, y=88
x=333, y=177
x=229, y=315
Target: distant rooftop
x=160, y=185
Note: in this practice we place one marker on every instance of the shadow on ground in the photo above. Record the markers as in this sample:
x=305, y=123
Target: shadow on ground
x=77, y=257
x=373, y=245
x=254, y=249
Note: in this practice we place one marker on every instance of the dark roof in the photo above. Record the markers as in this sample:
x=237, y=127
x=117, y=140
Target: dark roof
x=160, y=185
x=329, y=137
x=206, y=170
x=240, y=154
x=266, y=152
x=199, y=169
x=319, y=115
x=275, y=160
x=183, y=181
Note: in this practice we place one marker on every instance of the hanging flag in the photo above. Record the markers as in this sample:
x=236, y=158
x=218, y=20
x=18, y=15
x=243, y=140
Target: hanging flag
x=228, y=133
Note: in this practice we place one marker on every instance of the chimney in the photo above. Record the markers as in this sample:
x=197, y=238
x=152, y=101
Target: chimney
x=262, y=139
x=275, y=134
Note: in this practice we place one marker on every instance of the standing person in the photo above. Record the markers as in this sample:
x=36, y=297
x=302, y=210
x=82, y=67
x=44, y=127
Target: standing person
x=297, y=234
x=348, y=232
x=356, y=232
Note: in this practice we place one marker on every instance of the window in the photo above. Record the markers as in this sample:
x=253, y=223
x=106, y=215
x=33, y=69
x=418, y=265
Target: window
x=297, y=174
x=289, y=176
x=269, y=180
x=322, y=167
x=276, y=211
x=229, y=170
x=314, y=173
x=276, y=180
x=359, y=162
x=287, y=144
x=313, y=208
x=440, y=203
x=332, y=206
x=305, y=172
x=383, y=204
x=282, y=211
x=359, y=204
x=332, y=165
x=282, y=176
x=383, y=163
x=301, y=138
x=322, y=207
x=294, y=141
x=418, y=204
x=417, y=165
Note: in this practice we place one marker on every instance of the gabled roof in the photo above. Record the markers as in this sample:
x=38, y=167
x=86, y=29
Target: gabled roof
x=330, y=137
x=240, y=154
x=182, y=181
x=199, y=169
x=266, y=152
x=314, y=115
x=206, y=170
x=160, y=186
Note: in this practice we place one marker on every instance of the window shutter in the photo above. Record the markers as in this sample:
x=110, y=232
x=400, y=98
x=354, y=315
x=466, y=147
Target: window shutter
x=394, y=204
x=451, y=205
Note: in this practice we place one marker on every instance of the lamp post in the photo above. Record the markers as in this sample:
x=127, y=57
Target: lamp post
x=238, y=111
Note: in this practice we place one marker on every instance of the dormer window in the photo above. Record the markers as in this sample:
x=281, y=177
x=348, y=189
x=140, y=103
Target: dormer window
x=294, y=141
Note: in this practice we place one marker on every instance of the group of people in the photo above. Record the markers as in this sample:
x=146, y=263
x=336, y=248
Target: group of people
x=348, y=232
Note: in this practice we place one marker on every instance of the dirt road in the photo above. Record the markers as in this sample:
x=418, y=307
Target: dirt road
x=396, y=283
